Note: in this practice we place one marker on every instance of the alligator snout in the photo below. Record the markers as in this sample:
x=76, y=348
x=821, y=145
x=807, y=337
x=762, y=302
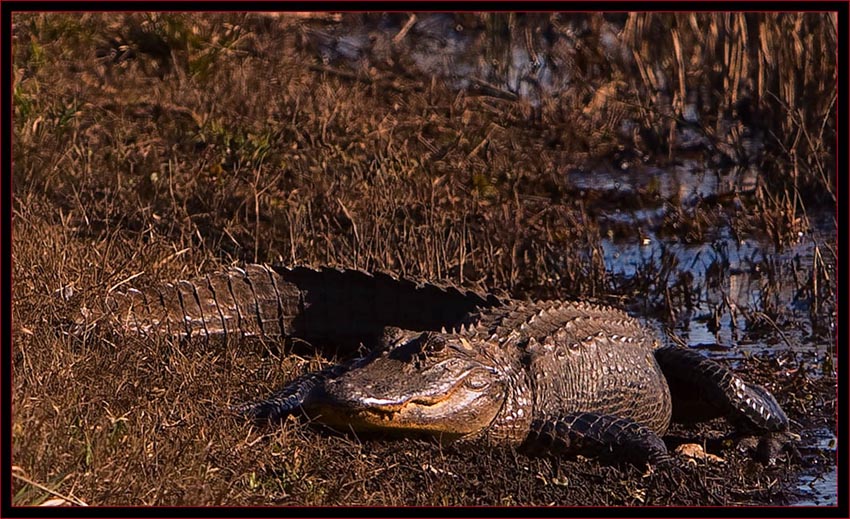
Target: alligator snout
x=438, y=391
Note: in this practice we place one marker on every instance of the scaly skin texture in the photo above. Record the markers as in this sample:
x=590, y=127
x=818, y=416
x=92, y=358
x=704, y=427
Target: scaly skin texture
x=341, y=307
x=560, y=376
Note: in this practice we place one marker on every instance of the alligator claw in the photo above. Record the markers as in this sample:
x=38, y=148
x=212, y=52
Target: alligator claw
x=286, y=401
x=770, y=447
x=266, y=410
x=674, y=467
x=606, y=435
x=665, y=462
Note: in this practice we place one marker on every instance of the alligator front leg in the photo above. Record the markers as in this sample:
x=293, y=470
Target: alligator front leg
x=703, y=389
x=598, y=435
x=289, y=399
x=293, y=396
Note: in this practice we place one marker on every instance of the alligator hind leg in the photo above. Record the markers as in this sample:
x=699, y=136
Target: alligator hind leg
x=598, y=435
x=703, y=389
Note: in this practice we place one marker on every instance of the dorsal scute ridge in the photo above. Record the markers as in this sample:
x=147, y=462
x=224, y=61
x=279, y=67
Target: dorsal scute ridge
x=484, y=299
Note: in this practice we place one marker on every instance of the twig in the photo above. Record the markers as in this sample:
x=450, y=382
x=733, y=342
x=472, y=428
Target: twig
x=529, y=46
x=341, y=73
x=493, y=90
x=481, y=144
x=70, y=499
x=170, y=257
x=404, y=30
x=350, y=218
x=324, y=17
x=131, y=278
x=775, y=327
x=383, y=82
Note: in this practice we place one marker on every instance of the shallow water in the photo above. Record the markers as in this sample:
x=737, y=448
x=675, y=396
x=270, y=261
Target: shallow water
x=820, y=489
x=729, y=268
x=739, y=284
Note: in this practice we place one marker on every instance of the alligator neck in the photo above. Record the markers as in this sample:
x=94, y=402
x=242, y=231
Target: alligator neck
x=512, y=423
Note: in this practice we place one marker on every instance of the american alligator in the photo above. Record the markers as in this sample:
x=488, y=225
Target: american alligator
x=560, y=376
x=344, y=308
x=568, y=376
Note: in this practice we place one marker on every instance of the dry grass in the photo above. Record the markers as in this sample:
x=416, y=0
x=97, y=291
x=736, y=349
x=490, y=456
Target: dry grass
x=160, y=146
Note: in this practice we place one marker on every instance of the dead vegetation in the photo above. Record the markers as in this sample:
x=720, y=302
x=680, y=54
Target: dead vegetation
x=151, y=147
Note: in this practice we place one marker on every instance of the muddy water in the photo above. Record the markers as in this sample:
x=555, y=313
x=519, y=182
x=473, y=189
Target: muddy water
x=730, y=271
x=819, y=488
x=747, y=297
x=459, y=50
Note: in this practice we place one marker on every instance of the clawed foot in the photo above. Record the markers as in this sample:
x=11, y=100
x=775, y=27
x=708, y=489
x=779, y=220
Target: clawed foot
x=769, y=447
x=256, y=411
x=273, y=409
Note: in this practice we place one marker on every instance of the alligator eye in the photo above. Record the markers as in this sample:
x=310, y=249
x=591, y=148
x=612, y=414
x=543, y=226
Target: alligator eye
x=476, y=381
x=436, y=345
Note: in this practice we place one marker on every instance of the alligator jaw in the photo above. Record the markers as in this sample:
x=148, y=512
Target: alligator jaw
x=358, y=401
x=426, y=413
x=413, y=389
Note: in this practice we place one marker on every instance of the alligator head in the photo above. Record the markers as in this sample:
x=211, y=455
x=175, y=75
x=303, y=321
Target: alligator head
x=432, y=383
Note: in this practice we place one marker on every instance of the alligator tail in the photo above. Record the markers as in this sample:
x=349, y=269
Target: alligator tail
x=344, y=307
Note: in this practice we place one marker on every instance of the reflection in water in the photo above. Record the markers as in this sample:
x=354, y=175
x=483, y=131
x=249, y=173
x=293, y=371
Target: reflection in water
x=689, y=181
x=820, y=489
x=734, y=274
x=731, y=274
x=463, y=52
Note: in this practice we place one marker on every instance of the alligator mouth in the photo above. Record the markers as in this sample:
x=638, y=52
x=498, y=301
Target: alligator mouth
x=392, y=406
x=382, y=421
x=374, y=413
